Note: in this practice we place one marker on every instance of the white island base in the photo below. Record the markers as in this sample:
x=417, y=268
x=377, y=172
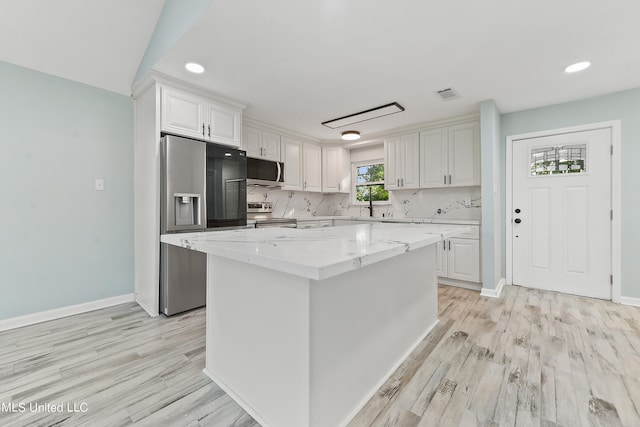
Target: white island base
x=296, y=352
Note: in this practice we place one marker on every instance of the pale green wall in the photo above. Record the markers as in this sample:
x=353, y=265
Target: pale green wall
x=177, y=17
x=491, y=225
x=63, y=243
x=624, y=106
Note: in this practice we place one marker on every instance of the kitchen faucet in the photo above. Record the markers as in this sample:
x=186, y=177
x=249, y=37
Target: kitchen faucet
x=370, y=203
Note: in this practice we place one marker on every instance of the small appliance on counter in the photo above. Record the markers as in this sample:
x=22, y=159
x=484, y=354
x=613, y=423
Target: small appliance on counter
x=262, y=214
x=202, y=188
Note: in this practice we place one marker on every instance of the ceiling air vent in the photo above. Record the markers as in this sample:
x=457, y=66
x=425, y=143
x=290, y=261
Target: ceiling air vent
x=448, y=94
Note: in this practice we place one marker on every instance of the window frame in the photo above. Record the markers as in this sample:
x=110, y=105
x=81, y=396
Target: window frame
x=354, y=183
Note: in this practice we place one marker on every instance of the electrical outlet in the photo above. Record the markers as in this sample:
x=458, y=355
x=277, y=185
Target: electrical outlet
x=99, y=184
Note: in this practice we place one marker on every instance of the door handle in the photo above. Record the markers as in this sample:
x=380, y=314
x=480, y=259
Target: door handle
x=398, y=183
x=449, y=179
x=517, y=221
x=445, y=180
x=449, y=244
x=203, y=129
x=209, y=131
x=401, y=182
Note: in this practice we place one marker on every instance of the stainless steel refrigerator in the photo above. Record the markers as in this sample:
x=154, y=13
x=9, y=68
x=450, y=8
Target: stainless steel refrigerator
x=183, y=272
x=203, y=188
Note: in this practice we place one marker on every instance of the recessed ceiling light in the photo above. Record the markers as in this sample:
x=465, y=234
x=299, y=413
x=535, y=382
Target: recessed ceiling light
x=194, y=67
x=350, y=135
x=578, y=66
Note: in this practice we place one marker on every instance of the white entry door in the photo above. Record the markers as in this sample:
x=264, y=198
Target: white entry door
x=561, y=213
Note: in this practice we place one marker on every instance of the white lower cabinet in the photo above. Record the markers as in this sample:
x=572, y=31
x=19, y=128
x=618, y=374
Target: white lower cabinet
x=303, y=223
x=458, y=258
x=307, y=224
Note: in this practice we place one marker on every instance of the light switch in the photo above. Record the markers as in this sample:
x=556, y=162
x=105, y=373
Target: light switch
x=99, y=184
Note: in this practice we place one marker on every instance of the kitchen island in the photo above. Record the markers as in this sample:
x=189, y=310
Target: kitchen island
x=304, y=326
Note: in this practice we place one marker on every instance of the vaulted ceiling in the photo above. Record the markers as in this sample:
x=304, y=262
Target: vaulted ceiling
x=297, y=64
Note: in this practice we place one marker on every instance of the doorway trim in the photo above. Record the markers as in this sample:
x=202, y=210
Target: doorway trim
x=616, y=196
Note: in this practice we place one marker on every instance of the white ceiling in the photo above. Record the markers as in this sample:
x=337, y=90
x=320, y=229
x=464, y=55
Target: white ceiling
x=97, y=42
x=299, y=63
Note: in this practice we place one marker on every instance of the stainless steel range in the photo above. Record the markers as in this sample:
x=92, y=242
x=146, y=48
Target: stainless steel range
x=262, y=214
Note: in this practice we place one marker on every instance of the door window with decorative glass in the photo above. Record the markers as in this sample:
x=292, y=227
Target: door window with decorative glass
x=369, y=182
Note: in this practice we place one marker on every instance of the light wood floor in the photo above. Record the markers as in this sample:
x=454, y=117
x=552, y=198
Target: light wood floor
x=528, y=358
x=129, y=369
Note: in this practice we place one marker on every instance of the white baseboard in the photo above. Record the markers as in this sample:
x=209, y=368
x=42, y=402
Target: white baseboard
x=459, y=283
x=493, y=293
x=386, y=376
x=150, y=312
x=241, y=402
x=630, y=301
x=57, y=313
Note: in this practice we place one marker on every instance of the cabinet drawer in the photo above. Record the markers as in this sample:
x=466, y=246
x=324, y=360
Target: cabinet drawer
x=473, y=234
x=307, y=224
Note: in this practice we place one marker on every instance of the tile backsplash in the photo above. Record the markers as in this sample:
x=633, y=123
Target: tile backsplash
x=446, y=203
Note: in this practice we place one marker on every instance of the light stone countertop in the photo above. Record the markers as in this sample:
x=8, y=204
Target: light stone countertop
x=392, y=219
x=317, y=253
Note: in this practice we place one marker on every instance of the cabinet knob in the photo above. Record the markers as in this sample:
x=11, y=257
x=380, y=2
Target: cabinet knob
x=517, y=221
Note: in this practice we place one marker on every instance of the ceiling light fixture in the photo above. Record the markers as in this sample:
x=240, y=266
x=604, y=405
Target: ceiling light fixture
x=362, y=116
x=350, y=135
x=578, y=66
x=194, y=67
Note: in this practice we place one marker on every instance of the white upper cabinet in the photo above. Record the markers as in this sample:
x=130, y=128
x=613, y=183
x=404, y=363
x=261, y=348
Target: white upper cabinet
x=464, y=155
x=261, y=144
x=223, y=124
x=336, y=174
x=450, y=156
x=182, y=113
x=291, y=156
x=433, y=158
x=252, y=141
x=185, y=114
x=402, y=162
x=312, y=167
x=271, y=146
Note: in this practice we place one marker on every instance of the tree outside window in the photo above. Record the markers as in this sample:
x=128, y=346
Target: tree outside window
x=369, y=180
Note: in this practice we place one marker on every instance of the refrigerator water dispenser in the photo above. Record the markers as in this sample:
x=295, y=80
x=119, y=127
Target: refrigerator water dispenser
x=187, y=209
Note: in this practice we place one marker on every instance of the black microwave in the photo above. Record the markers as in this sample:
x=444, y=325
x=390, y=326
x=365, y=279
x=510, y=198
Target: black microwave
x=265, y=172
